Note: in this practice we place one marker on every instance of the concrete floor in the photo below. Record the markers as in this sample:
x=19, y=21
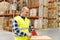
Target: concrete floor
x=53, y=33
x=6, y=35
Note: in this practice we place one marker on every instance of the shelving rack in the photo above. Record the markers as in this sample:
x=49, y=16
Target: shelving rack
x=30, y=6
x=12, y=15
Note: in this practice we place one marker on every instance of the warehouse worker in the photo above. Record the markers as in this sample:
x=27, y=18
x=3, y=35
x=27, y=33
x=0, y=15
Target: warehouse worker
x=21, y=25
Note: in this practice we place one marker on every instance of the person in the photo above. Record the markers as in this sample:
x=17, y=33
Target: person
x=21, y=25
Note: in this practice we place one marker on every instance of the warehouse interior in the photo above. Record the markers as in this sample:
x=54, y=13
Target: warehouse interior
x=44, y=16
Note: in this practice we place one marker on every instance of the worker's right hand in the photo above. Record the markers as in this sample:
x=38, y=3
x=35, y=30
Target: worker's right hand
x=29, y=35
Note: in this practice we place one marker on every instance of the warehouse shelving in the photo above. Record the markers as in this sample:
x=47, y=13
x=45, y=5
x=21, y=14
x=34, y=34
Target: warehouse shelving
x=51, y=8
x=33, y=6
x=51, y=1
x=36, y=5
x=31, y=17
x=49, y=18
x=12, y=15
x=8, y=15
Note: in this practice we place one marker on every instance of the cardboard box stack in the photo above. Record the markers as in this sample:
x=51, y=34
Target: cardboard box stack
x=36, y=23
x=33, y=2
x=33, y=12
x=5, y=27
x=36, y=1
x=52, y=24
x=45, y=14
x=52, y=14
x=4, y=6
x=7, y=24
x=59, y=12
x=45, y=23
x=1, y=23
x=10, y=24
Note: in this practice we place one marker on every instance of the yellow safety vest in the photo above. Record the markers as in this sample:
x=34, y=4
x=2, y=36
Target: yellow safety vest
x=23, y=25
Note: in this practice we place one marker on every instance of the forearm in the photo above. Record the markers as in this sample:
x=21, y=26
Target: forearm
x=16, y=29
x=30, y=29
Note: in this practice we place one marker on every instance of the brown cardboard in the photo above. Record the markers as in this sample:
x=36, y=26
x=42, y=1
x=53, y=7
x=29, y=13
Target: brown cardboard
x=53, y=24
x=45, y=23
x=45, y=12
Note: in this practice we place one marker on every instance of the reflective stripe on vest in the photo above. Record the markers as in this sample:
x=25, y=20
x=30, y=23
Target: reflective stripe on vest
x=23, y=28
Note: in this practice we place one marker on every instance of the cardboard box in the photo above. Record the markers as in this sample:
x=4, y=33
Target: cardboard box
x=1, y=23
x=33, y=2
x=53, y=24
x=45, y=12
x=52, y=4
x=40, y=38
x=36, y=1
x=52, y=13
x=7, y=24
x=33, y=12
x=45, y=2
x=4, y=6
x=36, y=23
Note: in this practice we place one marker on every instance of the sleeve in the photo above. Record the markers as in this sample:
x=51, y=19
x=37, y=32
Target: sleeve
x=16, y=29
x=30, y=27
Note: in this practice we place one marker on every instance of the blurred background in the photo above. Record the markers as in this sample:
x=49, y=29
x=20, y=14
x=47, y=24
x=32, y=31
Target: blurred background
x=44, y=16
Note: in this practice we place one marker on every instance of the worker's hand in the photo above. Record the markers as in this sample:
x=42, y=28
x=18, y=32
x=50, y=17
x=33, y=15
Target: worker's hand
x=29, y=35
